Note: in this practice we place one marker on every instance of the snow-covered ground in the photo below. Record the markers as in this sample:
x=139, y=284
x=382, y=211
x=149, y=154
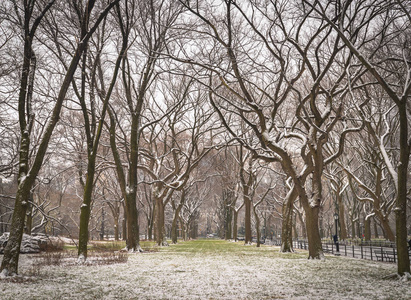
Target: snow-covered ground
x=236, y=272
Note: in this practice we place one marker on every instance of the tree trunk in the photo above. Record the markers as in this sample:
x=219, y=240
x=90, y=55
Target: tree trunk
x=247, y=216
x=353, y=234
x=116, y=228
x=359, y=230
x=388, y=232
x=133, y=231
x=174, y=226
x=160, y=222
x=183, y=229
x=228, y=221
x=287, y=212
x=375, y=228
x=124, y=226
x=257, y=226
x=10, y=261
x=315, y=250
x=300, y=218
x=367, y=233
x=341, y=212
x=401, y=201
x=312, y=207
x=290, y=236
x=130, y=222
x=235, y=226
x=294, y=226
x=29, y=217
x=85, y=209
x=150, y=229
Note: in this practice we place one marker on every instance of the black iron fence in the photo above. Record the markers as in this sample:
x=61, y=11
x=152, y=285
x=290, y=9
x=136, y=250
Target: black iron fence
x=374, y=250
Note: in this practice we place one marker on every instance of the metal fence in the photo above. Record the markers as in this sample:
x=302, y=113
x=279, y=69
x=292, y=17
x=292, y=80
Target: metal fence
x=380, y=251
x=372, y=250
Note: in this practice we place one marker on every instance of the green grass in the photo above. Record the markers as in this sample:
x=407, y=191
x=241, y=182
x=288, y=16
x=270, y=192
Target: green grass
x=111, y=246
x=107, y=245
x=222, y=247
x=197, y=247
x=69, y=247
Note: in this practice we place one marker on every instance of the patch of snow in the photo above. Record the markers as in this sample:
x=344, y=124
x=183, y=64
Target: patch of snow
x=129, y=190
x=81, y=259
x=22, y=178
x=248, y=273
x=406, y=277
x=266, y=136
x=4, y=274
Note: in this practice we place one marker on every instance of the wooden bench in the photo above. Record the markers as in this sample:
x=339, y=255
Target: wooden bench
x=385, y=255
x=325, y=249
x=379, y=254
x=390, y=255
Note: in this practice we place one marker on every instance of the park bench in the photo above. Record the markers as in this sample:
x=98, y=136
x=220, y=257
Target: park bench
x=390, y=255
x=385, y=255
x=379, y=254
x=326, y=249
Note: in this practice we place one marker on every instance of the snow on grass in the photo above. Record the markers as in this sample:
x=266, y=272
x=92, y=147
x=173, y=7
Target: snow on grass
x=210, y=269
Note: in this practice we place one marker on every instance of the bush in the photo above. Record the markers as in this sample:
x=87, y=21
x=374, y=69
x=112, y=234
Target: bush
x=108, y=246
x=65, y=258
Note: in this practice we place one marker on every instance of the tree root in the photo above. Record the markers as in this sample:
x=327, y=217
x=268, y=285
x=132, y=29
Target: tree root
x=396, y=276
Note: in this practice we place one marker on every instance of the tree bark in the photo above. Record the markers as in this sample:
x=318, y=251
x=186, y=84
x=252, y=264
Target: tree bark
x=150, y=228
x=133, y=231
x=174, y=226
x=287, y=211
x=367, y=230
x=29, y=216
x=235, y=222
x=375, y=228
x=257, y=226
x=401, y=201
x=388, y=232
x=116, y=228
x=247, y=217
x=315, y=250
x=124, y=225
x=286, y=229
x=341, y=212
x=85, y=210
x=160, y=222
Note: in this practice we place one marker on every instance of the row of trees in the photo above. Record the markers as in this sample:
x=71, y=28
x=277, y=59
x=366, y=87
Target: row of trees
x=162, y=104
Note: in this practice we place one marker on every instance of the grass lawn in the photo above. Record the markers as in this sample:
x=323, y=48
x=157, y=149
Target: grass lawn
x=208, y=269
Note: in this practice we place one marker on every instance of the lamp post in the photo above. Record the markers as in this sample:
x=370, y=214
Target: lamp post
x=337, y=245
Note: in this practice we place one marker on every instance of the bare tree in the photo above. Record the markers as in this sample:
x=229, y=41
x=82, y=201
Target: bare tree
x=29, y=22
x=339, y=184
x=296, y=140
x=390, y=66
x=148, y=22
x=175, y=145
x=94, y=128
